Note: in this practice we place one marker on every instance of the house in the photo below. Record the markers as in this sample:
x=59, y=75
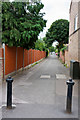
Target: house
x=74, y=31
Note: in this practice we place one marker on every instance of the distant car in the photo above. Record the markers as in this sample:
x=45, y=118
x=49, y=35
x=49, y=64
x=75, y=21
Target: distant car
x=56, y=53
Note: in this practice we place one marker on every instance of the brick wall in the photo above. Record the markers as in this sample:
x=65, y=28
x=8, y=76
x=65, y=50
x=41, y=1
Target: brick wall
x=73, y=47
x=73, y=13
x=67, y=57
x=74, y=36
x=62, y=56
x=79, y=46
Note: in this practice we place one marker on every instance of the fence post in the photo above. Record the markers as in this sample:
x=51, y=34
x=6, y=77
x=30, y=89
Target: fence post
x=4, y=59
x=16, y=59
x=28, y=57
x=23, y=59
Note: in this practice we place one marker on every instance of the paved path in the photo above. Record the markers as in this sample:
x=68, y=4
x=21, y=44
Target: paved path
x=0, y=88
x=40, y=92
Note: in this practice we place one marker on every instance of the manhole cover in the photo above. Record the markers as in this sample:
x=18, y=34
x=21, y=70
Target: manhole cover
x=61, y=76
x=45, y=76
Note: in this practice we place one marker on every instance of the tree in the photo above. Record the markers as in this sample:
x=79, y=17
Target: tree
x=40, y=45
x=51, y=49
x=21, y=23
x=58, y=31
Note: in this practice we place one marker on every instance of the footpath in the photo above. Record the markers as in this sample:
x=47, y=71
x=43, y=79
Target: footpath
x=40, y=92
x=0, y=89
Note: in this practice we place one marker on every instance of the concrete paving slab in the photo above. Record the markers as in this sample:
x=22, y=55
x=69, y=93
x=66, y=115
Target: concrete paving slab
x=60, y=76
x=45, y=76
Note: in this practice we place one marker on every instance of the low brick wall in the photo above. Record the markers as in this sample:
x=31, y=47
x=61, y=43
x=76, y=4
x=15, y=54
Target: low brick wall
x=67, y=61
x=62, y=56
x=65, y=57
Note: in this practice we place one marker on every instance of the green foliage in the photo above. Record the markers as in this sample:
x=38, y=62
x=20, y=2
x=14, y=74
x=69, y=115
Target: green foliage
x=21, y=23
x=40, y=45
x=51, y=49
x=63, y=49
x=47, y=52
x=58, y=31
x=56, y=50
x=66, y=65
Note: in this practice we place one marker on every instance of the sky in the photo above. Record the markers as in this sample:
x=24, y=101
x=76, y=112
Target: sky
x=54, y=10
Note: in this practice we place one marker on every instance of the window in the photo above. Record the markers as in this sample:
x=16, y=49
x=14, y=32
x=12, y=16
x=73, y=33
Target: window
x=76, y=22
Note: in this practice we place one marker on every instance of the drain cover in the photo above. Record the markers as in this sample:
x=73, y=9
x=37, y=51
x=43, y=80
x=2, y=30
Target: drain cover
x=60, y=76
x=45, y=76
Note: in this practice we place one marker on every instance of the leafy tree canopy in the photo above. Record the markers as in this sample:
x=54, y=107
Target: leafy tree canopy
x=58, y=31
x=21, y=23
x=51, y=49
x=40, y=45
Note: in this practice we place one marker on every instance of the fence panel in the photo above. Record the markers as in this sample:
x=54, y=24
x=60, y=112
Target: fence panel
x=19, y=58
x=10, y=59
x=32, y=56
x=14, y=58
x=25, y=57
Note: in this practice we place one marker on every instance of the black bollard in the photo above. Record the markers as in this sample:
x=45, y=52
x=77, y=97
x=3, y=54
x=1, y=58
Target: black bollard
x=70, y=84
x=9, y=81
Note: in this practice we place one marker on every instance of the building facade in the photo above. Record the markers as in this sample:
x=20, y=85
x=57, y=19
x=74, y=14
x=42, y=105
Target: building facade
x=74, y=32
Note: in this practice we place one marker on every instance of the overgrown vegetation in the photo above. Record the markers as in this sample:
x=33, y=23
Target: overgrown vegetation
x=40, y=45
x=58, y=31
x=63, y=49
x=21, y=23
x=51, y=49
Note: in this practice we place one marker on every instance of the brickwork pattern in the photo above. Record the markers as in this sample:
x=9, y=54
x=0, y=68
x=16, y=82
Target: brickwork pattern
x=62, y=56
x=73, y=13
x=66, y=57
x=74, y=39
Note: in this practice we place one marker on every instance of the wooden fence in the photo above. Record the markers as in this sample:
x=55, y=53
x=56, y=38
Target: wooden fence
x=17, y=58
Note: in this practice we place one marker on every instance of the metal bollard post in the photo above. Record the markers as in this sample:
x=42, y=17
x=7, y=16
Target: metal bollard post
x=70, y=84
x=9, y=81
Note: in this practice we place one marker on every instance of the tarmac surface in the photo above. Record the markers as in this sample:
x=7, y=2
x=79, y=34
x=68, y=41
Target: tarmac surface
x=0, y=89
x=40, y=92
